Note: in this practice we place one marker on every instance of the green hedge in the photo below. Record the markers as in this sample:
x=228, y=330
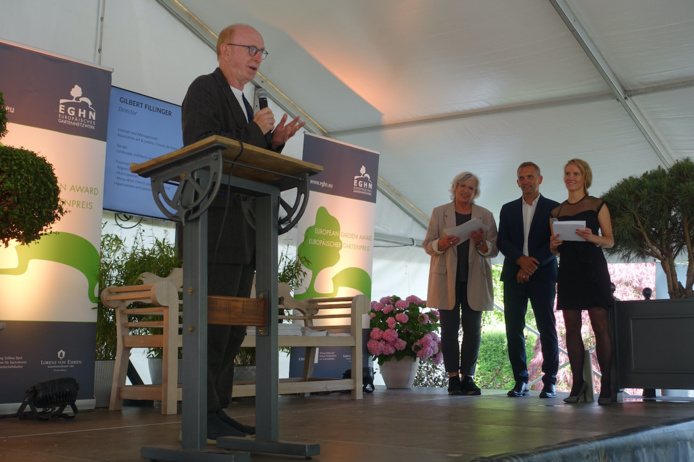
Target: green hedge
x=493, y=367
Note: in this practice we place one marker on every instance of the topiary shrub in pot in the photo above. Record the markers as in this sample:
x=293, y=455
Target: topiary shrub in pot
x=29, y=192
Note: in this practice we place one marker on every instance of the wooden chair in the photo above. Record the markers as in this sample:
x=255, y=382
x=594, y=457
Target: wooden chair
x=163, y=294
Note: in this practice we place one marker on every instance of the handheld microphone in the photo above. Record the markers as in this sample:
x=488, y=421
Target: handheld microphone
x=262, y=104
x=262, y=98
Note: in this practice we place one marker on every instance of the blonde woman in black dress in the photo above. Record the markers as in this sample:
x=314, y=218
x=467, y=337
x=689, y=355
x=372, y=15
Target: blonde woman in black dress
x=583, y=282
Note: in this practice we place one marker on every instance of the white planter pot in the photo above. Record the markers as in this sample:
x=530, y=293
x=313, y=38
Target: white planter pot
x=400, y=374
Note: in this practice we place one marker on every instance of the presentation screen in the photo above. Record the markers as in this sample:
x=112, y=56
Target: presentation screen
x=140, y=128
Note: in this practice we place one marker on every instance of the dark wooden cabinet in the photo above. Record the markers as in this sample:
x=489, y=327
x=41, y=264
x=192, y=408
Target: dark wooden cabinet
x=654, y=343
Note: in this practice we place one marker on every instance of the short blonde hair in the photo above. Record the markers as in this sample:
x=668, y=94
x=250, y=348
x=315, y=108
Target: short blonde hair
x=461, y=178
x=585, y=170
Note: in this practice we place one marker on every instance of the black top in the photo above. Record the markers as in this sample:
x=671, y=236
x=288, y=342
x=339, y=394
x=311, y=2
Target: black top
x=583, y=281
x=463, y=248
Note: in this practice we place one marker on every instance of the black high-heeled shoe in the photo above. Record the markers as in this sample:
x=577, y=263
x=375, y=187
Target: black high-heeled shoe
x=581, y=396
x=605, y=397
x=605, y=392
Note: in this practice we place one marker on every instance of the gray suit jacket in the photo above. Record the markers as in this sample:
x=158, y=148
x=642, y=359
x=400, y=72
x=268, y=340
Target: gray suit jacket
x=443, y=266
x=210, y=108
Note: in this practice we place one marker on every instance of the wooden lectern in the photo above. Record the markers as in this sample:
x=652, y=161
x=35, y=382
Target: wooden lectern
x=184, y=183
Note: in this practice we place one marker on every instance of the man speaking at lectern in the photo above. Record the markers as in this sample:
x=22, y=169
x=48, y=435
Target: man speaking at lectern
x=215, y=105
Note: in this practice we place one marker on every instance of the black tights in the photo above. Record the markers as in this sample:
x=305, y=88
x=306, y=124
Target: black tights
x=599, y=320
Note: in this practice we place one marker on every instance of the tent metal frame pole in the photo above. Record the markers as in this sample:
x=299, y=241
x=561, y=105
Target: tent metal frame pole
x=406, y=206
x=630, y=106
x=398, y=240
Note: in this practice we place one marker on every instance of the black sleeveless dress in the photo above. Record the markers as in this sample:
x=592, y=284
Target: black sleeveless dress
x=583, y=281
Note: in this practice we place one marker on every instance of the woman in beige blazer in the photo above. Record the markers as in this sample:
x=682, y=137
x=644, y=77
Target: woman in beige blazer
x=461, y=288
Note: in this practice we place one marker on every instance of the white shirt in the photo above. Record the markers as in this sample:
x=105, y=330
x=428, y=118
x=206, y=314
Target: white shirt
x=239, y=97
x=528, y=214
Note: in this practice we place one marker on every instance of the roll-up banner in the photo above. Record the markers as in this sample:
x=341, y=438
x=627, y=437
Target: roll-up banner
x=336, y=232
x=58, y=108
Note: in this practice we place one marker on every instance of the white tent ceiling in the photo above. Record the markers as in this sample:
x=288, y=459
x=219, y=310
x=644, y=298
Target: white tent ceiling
x=436, y=86
x=443, y=86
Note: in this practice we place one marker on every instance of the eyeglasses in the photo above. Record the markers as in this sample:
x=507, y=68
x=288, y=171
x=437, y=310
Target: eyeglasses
x=252, y=50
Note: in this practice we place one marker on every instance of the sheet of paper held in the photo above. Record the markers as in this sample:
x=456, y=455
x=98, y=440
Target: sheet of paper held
x=567, y=230
x=463, y=231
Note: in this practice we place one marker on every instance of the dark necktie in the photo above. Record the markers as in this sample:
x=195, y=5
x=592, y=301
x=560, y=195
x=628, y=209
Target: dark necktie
x=249, y=109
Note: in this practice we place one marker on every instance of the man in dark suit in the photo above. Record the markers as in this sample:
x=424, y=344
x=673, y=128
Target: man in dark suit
x=215, y=105
x=529, y=273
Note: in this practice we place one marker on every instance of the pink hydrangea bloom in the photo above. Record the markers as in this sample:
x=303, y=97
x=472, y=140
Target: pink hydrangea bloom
x=400, y=344
x=427, y=346
x=426, y=341
x=421, y=354
x=376, y=333
x=438, y=359
x=400, y=327
x=424, y=346
x=375, y=347
x=390, y=335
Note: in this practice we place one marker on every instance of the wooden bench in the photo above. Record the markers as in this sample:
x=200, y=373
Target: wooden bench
x=339, y=315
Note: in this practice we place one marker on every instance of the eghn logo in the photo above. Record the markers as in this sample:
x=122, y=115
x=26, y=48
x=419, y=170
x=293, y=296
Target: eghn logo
x=77, y=111
x=362, y=183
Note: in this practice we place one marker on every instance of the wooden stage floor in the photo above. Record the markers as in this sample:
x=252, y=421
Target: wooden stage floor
x=420, y=424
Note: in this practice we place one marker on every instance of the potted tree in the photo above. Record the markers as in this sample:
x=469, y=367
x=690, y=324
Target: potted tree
x=653, y=216
x=29, y=192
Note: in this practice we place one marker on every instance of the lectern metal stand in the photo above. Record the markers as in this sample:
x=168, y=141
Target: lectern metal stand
x=199, y=172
